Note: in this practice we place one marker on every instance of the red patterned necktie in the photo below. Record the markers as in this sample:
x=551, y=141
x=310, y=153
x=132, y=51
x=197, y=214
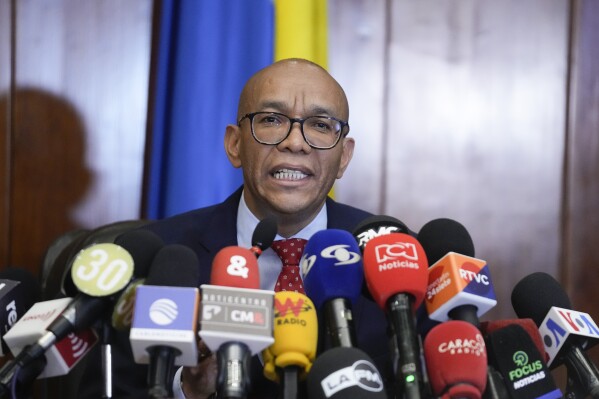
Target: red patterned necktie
x=290, y=251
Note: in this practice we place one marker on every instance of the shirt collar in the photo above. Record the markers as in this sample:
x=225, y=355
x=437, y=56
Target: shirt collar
x=247, y=222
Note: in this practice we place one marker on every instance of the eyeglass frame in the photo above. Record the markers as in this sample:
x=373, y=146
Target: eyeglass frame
x=250, y=116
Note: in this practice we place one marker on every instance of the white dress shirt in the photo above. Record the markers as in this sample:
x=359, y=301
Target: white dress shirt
x=269, y=263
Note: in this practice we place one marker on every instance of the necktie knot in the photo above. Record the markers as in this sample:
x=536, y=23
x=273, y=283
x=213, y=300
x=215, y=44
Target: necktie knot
x=290, y=251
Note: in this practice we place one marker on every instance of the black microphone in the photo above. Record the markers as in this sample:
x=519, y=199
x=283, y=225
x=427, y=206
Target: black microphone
x=459, y=285
x=345, y=372
x=164, y=328
x=566, y=333
x=19, y=290
x=263, y=236
x=513, y=353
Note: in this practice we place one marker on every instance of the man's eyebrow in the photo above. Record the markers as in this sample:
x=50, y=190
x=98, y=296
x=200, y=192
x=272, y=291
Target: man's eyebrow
x=282, y=107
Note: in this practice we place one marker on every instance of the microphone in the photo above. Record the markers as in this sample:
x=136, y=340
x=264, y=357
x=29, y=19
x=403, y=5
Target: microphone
x=489, y=327
x=99, y=271
x=396, y=269
x=19, y=290
x=333, y=276
x=235, y=318
x=296, y=336
x=143, y=245
x=512, y=352
x=456, y=360
x=164, y=328
x=375, y=226
x=263, y=236
x=459, y=285
x=566, y=333
x=345, y=372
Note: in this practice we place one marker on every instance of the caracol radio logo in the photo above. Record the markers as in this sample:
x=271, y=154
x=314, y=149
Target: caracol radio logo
x=297, y=307
x=163, y=311
x=341, y=254
x=460, y=346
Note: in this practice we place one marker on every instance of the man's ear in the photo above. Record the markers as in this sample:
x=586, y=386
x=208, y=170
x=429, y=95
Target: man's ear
x=232, y=143
x=346, y=155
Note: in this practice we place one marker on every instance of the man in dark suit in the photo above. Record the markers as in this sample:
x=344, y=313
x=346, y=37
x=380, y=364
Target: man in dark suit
x=291, y=142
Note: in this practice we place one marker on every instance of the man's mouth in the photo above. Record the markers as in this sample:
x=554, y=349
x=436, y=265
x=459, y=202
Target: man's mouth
x=289, y=174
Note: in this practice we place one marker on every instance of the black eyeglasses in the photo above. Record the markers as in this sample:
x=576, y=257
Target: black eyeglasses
x=320, y=132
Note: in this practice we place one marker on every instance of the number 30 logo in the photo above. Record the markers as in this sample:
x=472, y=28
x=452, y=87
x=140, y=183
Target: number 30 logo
x=102, y=269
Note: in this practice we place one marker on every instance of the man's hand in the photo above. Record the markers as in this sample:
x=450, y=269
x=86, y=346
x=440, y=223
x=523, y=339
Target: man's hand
x=199, y=382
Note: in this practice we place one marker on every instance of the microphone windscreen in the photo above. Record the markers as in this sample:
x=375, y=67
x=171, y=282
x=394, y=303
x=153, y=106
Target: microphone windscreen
x=142, y=245
x=264, y=233
x=375, y=226
x=535, y=294
x=528, y=325
x=295, y=333
x=395, y=263
x=456, y=359
x=344, y=372
x=513, y=353
x=235, y=266
x=440, y=236
x=174, y=265
x=332, y=267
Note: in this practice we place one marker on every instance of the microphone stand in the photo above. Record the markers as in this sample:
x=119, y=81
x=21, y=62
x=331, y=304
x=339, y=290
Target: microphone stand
x=233, y=364
x=289, y=384
x=583, y=376
x=106, y=360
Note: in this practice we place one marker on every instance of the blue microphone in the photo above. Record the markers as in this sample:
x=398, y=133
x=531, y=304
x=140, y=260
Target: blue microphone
x=333, y=275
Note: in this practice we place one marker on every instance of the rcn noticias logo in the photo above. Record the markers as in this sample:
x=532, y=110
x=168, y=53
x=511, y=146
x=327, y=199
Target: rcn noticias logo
x=398, y=255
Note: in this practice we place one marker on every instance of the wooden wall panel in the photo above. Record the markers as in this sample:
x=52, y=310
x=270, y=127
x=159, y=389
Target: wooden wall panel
x=82, y=71
x=357, y=59
x=474, y=127
x=581, y=213
x=5, y=69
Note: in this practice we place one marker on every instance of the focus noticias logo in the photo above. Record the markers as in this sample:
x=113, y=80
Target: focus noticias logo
x=520, y=358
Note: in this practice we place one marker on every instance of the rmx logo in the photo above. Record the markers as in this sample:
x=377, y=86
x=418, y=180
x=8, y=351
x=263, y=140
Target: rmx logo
x=209, y=311
x=281, y=309
x=398, y=250
x=520, y=358
x=341, y=254
x=238, y=266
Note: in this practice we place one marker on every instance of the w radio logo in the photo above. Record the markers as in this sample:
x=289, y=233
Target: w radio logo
x=297, y=307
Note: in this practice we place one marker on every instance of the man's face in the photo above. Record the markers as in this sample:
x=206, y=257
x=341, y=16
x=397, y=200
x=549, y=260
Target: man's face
x=289, y=179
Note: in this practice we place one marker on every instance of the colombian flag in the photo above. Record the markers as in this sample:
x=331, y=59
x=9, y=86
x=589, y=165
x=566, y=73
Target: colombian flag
x=206, y=51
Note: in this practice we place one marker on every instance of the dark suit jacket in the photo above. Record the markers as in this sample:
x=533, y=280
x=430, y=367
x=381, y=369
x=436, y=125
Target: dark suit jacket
x=206, y=231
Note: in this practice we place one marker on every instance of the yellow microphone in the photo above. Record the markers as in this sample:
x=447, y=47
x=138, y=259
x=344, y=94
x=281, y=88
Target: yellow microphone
x=296, y=337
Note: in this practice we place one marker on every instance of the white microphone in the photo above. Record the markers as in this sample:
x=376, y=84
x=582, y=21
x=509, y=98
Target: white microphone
x=165, y=318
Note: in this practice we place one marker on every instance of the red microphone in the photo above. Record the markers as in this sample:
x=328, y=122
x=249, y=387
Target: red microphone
x=396, y=273
x=456, y=360
x=235, y=267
